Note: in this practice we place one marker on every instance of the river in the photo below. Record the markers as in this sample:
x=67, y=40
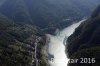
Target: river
x=56, y=45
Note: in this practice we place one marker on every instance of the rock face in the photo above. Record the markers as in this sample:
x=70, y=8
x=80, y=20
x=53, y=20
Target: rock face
x=85, y=41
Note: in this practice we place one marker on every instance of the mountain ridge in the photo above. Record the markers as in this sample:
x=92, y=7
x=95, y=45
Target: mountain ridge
x=45, y=14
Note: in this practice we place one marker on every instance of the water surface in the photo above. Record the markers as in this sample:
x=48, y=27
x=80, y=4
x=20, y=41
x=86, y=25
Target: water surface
x=56, y=45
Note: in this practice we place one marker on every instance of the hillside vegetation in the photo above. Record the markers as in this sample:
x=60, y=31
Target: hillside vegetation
x=85, y=41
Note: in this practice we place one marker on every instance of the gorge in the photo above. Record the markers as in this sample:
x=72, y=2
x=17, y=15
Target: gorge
x=56, y=45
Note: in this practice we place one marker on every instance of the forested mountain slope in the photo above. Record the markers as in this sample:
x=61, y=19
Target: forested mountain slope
x=17, y=44
x=47, y=14
x=85, y=41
